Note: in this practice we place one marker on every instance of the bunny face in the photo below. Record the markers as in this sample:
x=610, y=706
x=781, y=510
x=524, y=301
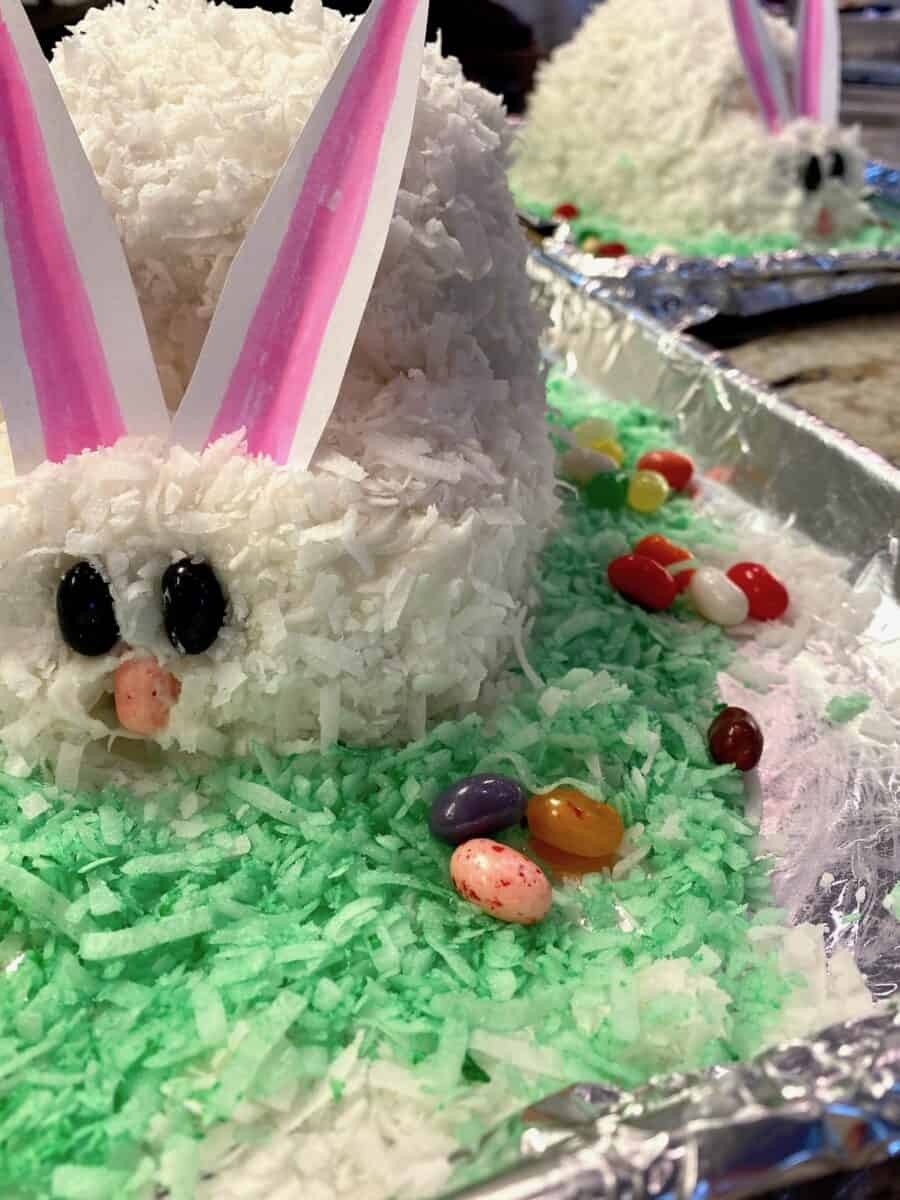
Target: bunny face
x=819, y=173
x=364, y=539
x=345, y=593
x=726, y=153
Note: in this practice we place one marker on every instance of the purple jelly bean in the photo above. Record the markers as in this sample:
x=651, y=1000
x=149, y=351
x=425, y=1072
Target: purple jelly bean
x=475, y=807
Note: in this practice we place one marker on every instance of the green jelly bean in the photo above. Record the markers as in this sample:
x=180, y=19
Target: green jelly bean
x=606, y=491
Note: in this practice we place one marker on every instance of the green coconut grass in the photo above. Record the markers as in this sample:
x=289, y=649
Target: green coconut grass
x=716, y=244
x=169, y=957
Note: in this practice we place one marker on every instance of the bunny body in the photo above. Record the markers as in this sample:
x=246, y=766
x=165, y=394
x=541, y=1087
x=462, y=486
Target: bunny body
x=386, y=583
x=647, y=117
x=186, y=141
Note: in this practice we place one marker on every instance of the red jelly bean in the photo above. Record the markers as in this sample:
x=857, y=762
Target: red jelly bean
x=642, y=581
x=666, y=553
x=610, y=249
x=676, y=468
x=566, y=212
x=734, y=737
x=767, y=595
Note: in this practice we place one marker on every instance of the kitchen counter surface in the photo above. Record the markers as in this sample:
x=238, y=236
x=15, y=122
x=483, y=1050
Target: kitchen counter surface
x=845, y=371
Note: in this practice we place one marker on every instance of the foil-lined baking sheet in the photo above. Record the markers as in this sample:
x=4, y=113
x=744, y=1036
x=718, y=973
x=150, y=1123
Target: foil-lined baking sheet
x=683, y=292
x=806, y=1110
x=792, y=1115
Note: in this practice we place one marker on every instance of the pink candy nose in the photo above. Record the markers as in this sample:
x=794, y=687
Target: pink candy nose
x=145, y=693
x=824, y=223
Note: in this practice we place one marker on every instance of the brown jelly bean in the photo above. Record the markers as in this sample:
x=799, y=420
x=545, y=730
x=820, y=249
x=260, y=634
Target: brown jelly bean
x=734, y=737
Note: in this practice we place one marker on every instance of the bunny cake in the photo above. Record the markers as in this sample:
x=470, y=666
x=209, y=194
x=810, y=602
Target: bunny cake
x=259, y=568
x=674, y=125
x=266, y=961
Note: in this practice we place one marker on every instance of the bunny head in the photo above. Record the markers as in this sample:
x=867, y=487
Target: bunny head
x=250, y=571
x=813, y=169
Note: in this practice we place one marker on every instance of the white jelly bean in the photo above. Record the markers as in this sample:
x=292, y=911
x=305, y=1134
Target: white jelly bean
x=501, y=881
x=716, y=598
x=582, y=464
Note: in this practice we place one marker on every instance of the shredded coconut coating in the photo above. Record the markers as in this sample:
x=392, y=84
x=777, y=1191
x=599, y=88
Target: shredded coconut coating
x=382, y=587
x=647, y=117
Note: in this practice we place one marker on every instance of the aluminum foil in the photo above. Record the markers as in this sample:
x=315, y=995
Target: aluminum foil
x=683, y=292
x=796, y=1113
x=805, y=1110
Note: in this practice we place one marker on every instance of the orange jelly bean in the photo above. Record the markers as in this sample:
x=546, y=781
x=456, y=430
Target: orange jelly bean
x=566, y=819
x=565, y=865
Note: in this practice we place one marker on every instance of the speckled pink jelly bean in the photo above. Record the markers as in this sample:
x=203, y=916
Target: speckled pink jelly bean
x=503, y=882
x=144, y=693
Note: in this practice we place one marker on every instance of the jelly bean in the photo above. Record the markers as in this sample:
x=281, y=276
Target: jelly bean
x=568, y=820
x=642, y=581
x=501, y=881
x=667, y=554
x=647, y=491
x=591, y=244
x=581, y=464
x=144, y=694
x=734, y=737
x=716, y=598
x=767, y=596
x=86, y=612
x=607, y=491
x=611, y=250
x=193, y=605
x=565, y=212
x=474, y=806
x=676, y=468
x=595, y=429
x=611, y=447
x=563, y=864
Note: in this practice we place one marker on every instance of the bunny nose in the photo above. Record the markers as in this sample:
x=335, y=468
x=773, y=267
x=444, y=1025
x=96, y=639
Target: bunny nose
x=145, y=692
x=824, y=223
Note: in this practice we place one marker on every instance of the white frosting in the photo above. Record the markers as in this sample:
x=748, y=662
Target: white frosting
x=646, y=116
x=385, y=585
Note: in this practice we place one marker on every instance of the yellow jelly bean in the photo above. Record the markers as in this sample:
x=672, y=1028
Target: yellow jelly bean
x=647, y=491
x=594, y=429
x=611, y=447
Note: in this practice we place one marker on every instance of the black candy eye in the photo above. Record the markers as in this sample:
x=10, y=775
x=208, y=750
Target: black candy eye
x=838, y=165
x=193, y=605
x=85, y=611
x=812, y=174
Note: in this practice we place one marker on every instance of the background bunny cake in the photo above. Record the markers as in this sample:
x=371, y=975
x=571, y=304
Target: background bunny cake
x=700, y=125
x=350, y=587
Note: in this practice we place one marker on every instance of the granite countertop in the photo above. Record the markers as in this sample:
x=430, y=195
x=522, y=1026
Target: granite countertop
x=845, y=371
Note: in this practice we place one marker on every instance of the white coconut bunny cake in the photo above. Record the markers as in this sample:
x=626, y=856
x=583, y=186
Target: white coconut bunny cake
x=234, y=577
x=358, y=783
x=701, y=126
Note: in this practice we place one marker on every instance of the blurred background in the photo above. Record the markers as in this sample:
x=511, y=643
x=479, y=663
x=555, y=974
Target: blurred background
x=501, y=43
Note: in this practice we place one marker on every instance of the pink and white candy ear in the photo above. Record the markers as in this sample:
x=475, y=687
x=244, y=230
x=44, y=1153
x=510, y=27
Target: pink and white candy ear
x=761, y=63
x=277, y=349
x=76, y=371
x=817, y=84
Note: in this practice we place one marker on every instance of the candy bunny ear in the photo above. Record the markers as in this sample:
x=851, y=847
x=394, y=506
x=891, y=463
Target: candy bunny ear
x=761, y=63
x=817, y=84
x=282, y=333
x=76, y=370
